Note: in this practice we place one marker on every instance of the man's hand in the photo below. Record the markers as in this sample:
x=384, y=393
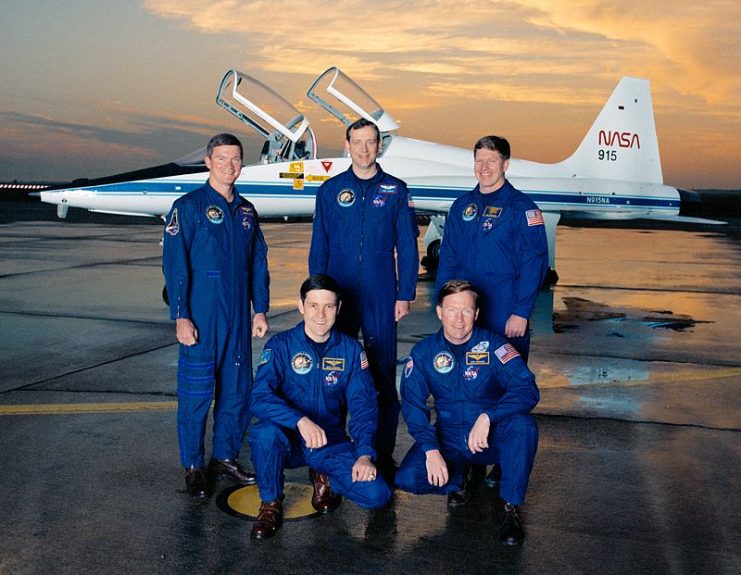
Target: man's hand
x=363, y=469
x=515, y=326
x=313, y=435
x=402, y=309
x=478, y=437
x=186, y=331
x=437, y=469
x=259, y=325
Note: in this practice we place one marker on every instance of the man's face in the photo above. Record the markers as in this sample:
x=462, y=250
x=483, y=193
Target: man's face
x=458, y=312
x=320, y=312
x=489, y=168
x=225, y=165
x=363, y=147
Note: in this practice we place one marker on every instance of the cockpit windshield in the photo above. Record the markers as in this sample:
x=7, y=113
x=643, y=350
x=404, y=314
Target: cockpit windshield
x=286, y=130
x=349, y=101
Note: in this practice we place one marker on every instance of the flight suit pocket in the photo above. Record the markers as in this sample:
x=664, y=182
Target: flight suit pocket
x=195, y=371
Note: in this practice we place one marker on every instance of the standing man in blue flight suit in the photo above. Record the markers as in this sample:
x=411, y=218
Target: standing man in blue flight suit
x=483, y=394
x=362, y=216
x=216, y=268
x=309, y=380
x=495, y=238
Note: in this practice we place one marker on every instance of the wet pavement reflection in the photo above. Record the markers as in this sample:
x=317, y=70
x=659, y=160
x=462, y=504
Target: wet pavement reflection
x=635, y=351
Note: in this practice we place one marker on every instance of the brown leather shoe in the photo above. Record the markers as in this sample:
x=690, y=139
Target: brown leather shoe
x=196, y=482
x=324, y=499
x=232, y=469
x=269, y=519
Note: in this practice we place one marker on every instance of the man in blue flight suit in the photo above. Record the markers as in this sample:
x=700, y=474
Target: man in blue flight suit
x=310, y=378
x=216, y=267
x=483, y=394
x=495, y=238
x=362, y=216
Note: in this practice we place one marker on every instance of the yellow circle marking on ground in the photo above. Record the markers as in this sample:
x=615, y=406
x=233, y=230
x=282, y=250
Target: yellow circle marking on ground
x=297, y=504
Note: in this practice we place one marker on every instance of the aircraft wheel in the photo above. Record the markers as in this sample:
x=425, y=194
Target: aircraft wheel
x=551, y=278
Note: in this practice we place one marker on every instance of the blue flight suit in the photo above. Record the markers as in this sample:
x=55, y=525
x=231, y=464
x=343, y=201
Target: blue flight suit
x=357, y=225
x=497, y=241
x=484, y=375
x=297, y=377
x=215, y=265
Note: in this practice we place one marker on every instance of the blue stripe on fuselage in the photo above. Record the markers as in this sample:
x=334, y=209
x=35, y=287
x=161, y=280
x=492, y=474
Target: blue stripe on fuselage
x=286, y=191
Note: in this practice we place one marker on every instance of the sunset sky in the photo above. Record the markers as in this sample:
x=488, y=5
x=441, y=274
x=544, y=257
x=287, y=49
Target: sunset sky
x=92, y=88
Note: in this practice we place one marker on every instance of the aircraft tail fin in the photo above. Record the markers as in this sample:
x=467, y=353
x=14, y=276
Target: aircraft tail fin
x=622, y=142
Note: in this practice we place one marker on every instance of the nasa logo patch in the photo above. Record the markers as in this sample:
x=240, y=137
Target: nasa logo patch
x=331, y=379
x=471, y=373
x=379, y=201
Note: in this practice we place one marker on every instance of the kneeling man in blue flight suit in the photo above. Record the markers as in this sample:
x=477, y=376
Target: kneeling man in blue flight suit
x=483, y=394
x=309, y=380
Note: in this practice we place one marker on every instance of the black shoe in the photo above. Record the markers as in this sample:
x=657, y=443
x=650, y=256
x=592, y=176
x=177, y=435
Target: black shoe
x=324, y=499
x=459, y=498
x=477, y=473
x=231, y=468
x=511, y=533
x=269, y=519
x=492, y=479
x=463, y=495
x=196, y=482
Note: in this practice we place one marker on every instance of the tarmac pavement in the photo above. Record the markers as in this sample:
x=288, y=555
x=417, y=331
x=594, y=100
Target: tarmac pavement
x=635, y=350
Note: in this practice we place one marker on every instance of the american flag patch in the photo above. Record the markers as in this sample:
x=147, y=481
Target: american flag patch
x=410, y=200
x=363, y=360
x=506, y=352
x=534, y=218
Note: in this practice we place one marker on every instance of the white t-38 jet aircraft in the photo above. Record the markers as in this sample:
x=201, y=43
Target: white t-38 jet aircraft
x=615, y=173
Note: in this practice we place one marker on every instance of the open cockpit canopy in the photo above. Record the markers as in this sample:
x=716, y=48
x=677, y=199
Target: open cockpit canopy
x=285, y=129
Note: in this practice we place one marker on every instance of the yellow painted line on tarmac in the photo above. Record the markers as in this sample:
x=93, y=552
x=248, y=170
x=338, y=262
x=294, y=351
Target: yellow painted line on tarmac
x=653, y=379
x=64, y=408
x=698, y=375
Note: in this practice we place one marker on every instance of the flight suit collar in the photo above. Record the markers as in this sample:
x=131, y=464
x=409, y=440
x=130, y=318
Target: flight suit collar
x=500, y=196
x=334, y=336
x=378, y=176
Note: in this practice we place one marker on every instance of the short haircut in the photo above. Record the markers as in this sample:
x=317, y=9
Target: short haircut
x=319, y=281
x=362, y=123
x=457, y=286
x=495, y=143
x=223, y=140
